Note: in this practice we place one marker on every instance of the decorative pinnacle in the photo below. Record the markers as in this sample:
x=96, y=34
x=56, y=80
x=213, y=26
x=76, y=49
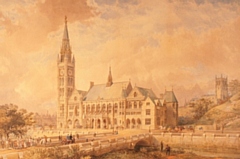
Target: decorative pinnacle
x=65, y=19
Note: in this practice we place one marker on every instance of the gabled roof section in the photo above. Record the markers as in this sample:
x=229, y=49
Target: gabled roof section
x=78, y=93
x=162, y=101
x=147, y=92
x=142, y=94
x=170, y=97
x=158, y=101
x=102, y=92
x=82, y=92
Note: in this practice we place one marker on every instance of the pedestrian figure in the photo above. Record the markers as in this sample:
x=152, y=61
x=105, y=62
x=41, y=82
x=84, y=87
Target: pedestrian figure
x=73, y=140
x=161, y=146
x=168, y=150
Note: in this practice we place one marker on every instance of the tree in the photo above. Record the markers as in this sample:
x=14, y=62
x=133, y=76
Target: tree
x=15, y=121
x=201, y=107
x=234, y=87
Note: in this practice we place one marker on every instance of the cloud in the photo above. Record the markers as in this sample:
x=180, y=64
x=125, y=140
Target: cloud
x=170, y=44
x=156, y=44
x=55, y=10
x=28, y=54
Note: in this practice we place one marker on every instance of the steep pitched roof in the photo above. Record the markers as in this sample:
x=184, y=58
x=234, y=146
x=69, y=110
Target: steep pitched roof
x=101, y=91
x=169, y=96
x=147, y=92
x=158, y=101
x=82, y=92
x=66, y=49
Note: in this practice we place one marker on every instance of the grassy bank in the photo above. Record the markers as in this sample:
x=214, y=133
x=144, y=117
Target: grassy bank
x=145, y=153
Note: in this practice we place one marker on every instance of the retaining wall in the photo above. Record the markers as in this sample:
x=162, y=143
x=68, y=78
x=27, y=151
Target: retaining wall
x=229, y=143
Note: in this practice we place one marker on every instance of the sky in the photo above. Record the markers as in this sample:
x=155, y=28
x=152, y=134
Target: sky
x=158, y=44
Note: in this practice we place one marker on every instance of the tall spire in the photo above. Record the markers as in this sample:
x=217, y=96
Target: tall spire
x=65, y=34
x=66, y=49
x=109, y=83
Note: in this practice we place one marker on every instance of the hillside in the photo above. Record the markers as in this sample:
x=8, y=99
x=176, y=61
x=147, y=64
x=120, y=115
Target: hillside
x=227, y=114
x=185, y=115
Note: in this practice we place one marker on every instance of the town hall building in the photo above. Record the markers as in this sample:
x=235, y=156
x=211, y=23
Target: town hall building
x=111, y=104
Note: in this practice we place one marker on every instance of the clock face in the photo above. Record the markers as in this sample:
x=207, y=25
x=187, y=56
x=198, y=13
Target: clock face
x=69, y=72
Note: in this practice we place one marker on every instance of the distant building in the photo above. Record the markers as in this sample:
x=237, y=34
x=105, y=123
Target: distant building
x=111, y=104
x=45, y=120
x=221, y=87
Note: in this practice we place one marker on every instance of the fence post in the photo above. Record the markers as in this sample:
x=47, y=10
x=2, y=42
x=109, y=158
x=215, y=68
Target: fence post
x=182, y=138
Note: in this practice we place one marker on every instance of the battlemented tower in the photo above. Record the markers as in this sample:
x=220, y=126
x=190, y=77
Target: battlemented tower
x=221, y=89
x=66, y=78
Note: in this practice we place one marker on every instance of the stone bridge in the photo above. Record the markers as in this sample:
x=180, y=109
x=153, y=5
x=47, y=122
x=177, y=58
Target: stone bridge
x=100, y=147
x=107, y=142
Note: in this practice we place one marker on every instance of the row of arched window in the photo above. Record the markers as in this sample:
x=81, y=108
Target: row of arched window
x=70, y=81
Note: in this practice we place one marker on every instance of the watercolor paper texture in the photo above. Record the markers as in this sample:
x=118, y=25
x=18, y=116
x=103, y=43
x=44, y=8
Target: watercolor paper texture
x=180, y=45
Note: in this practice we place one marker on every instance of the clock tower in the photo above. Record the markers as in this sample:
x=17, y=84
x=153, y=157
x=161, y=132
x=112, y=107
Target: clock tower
x=66, y=78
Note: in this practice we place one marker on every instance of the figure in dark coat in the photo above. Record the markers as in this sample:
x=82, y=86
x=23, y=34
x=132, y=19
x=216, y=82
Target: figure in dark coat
x=161, y=146
x=168, y=150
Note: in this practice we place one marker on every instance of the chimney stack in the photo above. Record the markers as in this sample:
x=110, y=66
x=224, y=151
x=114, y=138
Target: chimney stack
x=91, y=84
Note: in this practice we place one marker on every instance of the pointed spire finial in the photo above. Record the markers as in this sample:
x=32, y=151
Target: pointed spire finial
x=65, y=33
x=65, y=19
x=110, y=81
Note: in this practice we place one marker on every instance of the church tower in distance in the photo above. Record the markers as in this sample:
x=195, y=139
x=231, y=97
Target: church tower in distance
x=221, y=89
x=66, y=78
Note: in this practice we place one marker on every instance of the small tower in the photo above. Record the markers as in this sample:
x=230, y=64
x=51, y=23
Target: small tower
x=221, y=88
x=66, y=78
x=109, y=82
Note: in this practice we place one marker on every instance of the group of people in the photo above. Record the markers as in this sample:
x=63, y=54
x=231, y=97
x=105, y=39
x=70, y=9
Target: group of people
x=20, y=143
x=68, y=140
x=167, y=148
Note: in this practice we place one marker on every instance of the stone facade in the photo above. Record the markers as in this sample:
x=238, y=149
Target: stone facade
x=109, y=105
